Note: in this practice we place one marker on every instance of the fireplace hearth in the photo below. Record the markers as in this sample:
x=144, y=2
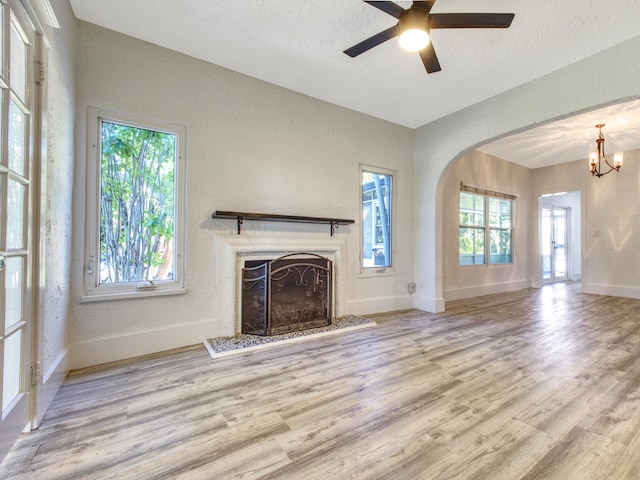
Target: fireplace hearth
x=290, y=293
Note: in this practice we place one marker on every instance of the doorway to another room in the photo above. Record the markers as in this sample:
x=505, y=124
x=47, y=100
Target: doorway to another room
x=560, y=239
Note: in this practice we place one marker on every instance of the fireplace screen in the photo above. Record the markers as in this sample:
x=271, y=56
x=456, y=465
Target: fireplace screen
x=290, y=293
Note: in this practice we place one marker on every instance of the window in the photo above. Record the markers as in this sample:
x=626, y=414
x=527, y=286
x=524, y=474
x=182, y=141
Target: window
x=377, y=212
x=485, y=219
x=135, y=206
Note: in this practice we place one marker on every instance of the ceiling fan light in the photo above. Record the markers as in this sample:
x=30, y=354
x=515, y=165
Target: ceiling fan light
x=414, y=39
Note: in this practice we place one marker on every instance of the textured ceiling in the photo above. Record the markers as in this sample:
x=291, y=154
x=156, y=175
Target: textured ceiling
x=298, y=45
x=571, y=139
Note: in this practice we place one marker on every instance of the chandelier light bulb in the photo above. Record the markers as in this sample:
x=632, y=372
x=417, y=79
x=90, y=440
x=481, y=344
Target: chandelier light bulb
x=618, y=158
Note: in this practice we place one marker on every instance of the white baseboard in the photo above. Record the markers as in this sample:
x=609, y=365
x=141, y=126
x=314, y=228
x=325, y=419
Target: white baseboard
x=428, y=304
x=612, y=290
x=379, y=305
x=470, y=292
x=96, y=352
x=51, y=382
x=60, y=366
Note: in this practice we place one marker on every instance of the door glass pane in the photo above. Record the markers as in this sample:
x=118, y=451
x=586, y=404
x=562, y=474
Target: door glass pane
x=546, y=243
x=15, y=215
x=14, y=274
x=559, y=235
x=2, y=120
x=18, y=67
x=1, y=39
x=12, y=368
x=17, y=123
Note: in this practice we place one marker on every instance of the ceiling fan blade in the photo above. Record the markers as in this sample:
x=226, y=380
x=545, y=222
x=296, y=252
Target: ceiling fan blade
x=371, y=42
x=387, y=7
x=424, y=5
x=471, y=20
x=429, y=58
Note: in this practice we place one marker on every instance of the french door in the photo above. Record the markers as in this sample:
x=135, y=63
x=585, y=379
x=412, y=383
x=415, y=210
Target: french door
x=16, y=170
x=554, y=244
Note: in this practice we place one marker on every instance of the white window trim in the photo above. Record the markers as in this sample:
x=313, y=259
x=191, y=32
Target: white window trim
x=93, y=291
x=376, y=271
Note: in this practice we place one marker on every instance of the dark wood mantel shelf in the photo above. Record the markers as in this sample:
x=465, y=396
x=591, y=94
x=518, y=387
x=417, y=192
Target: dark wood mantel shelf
x=242, y=216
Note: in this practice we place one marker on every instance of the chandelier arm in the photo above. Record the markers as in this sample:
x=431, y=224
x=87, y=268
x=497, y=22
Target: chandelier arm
x=598, y=174
x=601, y=155
x=611, y=167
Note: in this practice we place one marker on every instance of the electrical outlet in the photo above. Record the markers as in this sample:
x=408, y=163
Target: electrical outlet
x=411, y=287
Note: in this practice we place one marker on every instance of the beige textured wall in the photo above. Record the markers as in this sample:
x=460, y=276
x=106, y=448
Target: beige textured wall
x=251, y=146
x=58, y=167
x=481, y=170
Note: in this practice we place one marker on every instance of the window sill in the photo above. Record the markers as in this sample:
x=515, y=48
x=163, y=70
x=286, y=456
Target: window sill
x=374, y=272
x=102, y=297
x=491, y=265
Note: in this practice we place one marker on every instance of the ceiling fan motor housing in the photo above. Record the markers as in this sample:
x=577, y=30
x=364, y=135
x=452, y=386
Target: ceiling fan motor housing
x=414, y=18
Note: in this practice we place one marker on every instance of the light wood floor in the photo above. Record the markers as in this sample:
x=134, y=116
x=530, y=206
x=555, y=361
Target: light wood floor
x=535, y=384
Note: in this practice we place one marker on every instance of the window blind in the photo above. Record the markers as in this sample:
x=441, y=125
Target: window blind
x=485, y=192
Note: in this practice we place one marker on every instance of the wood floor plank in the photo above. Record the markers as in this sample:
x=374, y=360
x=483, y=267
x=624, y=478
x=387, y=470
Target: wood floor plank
x=534, y=384
x=580, y=454
x=617, y=415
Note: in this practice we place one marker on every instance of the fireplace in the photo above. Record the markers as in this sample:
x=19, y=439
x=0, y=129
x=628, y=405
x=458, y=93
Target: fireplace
x=290, y=293
x=231, y=251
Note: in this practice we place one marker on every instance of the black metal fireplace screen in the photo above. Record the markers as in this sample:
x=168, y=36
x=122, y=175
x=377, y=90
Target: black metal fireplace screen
x=290, y=293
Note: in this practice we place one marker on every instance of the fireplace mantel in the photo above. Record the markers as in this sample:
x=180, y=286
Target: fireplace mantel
x=241, y=216
x=230, y=251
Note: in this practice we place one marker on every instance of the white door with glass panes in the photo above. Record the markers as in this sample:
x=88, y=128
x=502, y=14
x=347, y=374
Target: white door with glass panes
x=554, y=244
x=15, y=232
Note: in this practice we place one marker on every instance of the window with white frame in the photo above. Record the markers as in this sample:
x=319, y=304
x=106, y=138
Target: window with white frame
x=485, y=219
x=377, y=217
x=135, y=207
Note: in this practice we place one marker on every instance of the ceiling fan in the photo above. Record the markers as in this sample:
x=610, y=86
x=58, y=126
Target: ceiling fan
x=415, y=23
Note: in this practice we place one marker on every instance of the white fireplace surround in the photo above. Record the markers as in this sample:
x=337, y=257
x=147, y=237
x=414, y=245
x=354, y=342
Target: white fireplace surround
x=231, y=251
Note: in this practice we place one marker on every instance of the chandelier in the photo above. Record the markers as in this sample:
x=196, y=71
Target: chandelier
x=596, y=156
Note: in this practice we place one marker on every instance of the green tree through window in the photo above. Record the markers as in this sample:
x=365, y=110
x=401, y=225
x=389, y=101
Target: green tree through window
x=137, y=168
x=485, y=221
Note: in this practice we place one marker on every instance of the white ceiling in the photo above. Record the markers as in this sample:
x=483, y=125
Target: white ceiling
x=571, y=139
x=298, y=45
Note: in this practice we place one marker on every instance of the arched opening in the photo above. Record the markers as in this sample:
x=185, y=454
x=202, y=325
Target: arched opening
x=529, y=165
